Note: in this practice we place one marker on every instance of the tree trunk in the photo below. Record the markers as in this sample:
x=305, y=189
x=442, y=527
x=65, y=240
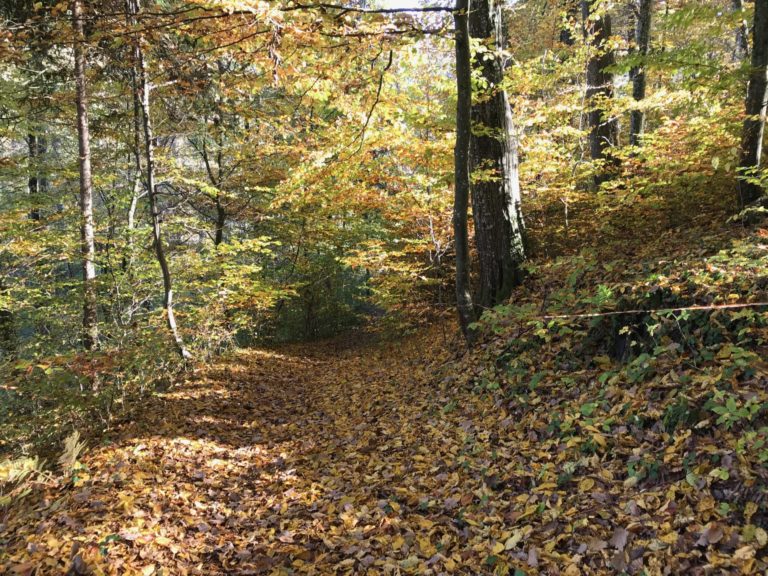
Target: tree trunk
x=461, y=167
x=741, y=44
x=494, y=165
x=221, y=219
x=149, y=157
x=90, y=318
x=37, y=183
x=221, y=213
x=757, y=98
x=603, y=131
x=136, y=153
x=642, y=9
x=41, y=89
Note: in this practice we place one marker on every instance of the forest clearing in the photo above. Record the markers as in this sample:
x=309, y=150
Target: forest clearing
x=383, y=287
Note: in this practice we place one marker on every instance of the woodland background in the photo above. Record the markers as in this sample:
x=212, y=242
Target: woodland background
x=182, y=181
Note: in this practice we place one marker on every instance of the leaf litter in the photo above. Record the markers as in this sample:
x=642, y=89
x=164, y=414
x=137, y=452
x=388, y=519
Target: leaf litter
x=542, y=451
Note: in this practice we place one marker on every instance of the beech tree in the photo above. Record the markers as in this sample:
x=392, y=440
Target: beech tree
x=462, y=166
x=88, y=249
x=494, y=163
x=603, y=128
x=756, y=103
x=642, y=10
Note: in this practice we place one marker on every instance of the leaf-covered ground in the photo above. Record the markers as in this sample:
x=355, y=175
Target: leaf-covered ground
x=323, y=462
x=630, y=443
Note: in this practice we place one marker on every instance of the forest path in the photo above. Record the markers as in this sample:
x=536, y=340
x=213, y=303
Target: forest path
x=309, y=459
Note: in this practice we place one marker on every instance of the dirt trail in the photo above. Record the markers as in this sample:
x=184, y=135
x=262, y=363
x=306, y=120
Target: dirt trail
x=271, y=462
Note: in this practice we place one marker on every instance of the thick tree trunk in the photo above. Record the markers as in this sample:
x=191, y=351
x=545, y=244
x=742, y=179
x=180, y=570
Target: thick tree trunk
x=149, y=157
x=642, y=9
x=221, y=219
x=461, y=167
x=494, y=165
x=603, y=130
x=757, y=100
x=88, y=250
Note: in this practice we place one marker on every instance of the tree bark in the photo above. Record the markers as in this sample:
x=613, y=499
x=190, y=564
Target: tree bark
x=88, y=249
x=603, y=130
x=494, y=165
x=221, y=220
x=757, y=99
x=461, y=167
x=217, y=178
x=221, y=213
x=136, y=153
x=149, y=157
x=643, y=10
x=741, y=44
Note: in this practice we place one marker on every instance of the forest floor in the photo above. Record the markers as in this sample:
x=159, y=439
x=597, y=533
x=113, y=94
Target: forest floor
x=351, y=458
x=632, y=443
x=316, y=459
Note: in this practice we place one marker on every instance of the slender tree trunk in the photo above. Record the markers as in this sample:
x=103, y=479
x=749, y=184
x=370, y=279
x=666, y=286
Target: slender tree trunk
x=461, y=167
x=494, y=165
x=88, y=249
x=149, y=156
x=136, y=151
x=131, y=10
x=37, y=182
x=757, y=100
x=37, y=142
x=741, y=44
x=221, y=213
x=642, y=9
x=603, y=130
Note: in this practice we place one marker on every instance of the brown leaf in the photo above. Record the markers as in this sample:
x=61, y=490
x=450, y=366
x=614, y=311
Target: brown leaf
x=712, y=534
x=619, y=561
x=533, y=557
x=619, y=538
x=286, y=537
